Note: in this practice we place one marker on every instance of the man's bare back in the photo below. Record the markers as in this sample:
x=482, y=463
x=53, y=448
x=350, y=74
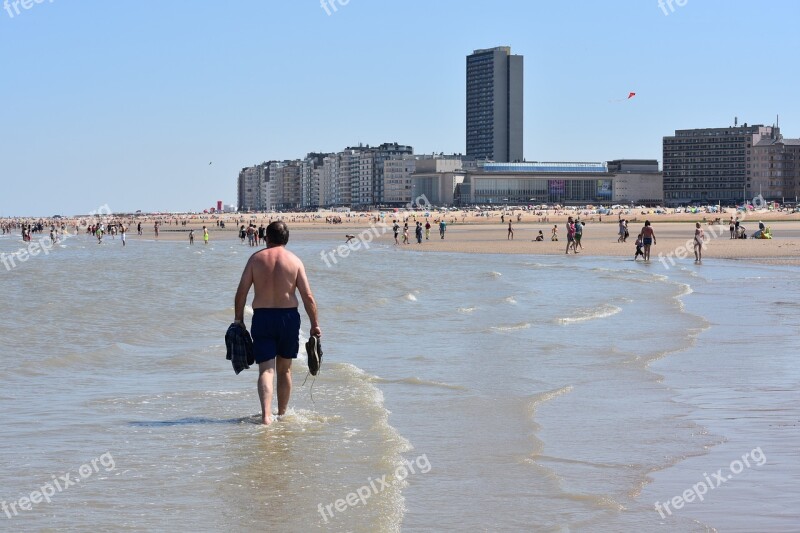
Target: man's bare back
x=275, y=273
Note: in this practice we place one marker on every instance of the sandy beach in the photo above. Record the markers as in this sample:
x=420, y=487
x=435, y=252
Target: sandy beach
x=487, y=234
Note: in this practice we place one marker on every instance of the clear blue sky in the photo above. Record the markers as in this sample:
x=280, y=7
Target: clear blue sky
x=125, y=103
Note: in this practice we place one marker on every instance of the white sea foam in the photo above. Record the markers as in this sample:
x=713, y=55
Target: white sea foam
x=513, y=327
x=584, y=315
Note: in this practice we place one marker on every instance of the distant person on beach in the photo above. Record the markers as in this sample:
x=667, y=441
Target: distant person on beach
x=427, y=230
x=554, y=233
x=396, y=229
x=732, y=228
x=622, y=230
x=648, y=239
x=510, y=232
x=442, y=228
x=277, y=274
x=191, y=236
x=405, y=233
x=699, y=241
x=348, y=237
x=205, y=235
x=139, y=228
x=122, y=231
x=639, y=242
x=570, y=236
x=155, y=228
x=418, y=232
x=578, y=234
x=539, y=237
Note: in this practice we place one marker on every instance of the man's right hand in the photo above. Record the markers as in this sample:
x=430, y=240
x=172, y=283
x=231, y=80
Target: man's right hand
x=316, y=331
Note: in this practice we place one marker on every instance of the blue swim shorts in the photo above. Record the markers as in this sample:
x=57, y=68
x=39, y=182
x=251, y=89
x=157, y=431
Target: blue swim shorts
x=275, y=332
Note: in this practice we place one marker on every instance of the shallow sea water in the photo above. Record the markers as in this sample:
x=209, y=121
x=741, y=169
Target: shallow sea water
x=511, y=392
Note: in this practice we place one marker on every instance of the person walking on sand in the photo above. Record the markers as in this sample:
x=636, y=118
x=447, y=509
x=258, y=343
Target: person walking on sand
x=427, y=229
x=510, y=232
x=732, y=228
x=699, y=242
x=554, y=234
x=621, y=230
x=418, y=232
x=570, y=236
x=396, y=229
x=648, y=239
x=405, y=233
x=277, y=275
x=442, y=228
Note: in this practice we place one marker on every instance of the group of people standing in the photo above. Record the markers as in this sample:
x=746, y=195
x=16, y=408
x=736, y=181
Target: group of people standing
x=254, y=235
x=418, y=227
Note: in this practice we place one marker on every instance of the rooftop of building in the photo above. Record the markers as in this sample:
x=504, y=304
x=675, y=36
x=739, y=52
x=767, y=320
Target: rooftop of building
x=780, y=140
x=506, y=49
x=731, y=130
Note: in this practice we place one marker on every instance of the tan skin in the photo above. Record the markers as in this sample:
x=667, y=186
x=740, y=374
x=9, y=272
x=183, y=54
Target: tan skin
x=276, y=274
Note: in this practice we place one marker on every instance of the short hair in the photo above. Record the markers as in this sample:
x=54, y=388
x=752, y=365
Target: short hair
x=278, y=233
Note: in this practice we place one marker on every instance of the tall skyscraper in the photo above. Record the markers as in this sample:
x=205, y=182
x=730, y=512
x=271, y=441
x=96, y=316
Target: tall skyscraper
x=494, y=105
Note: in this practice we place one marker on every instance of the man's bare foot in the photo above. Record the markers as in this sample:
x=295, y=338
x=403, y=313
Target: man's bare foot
x=267, y=420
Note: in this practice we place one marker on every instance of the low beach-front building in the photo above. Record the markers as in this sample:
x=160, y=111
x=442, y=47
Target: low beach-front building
x=529, y=183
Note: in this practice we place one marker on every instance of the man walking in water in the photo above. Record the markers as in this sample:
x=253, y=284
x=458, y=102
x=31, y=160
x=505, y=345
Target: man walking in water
x=276, y=274
x=648, y=239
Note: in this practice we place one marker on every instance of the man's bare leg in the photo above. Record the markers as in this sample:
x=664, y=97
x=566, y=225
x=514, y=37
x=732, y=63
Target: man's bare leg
x=266, y=371
x=284, y=370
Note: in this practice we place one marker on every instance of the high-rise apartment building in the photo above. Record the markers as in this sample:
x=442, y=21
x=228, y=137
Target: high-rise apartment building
x=776, y=169
x=250, y=187
x=712, y=165
x=495, y=105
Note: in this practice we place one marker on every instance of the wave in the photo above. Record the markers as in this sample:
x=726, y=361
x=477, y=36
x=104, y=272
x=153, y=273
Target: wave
x=494, y=275
x=513, y=327
x=467, y=310
x=410, y=297
x=510, y=300
x=420, y=382
x=547, y=396
x=584, y=315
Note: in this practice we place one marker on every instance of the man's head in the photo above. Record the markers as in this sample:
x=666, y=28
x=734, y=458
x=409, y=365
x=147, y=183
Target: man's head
x=278, y=233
